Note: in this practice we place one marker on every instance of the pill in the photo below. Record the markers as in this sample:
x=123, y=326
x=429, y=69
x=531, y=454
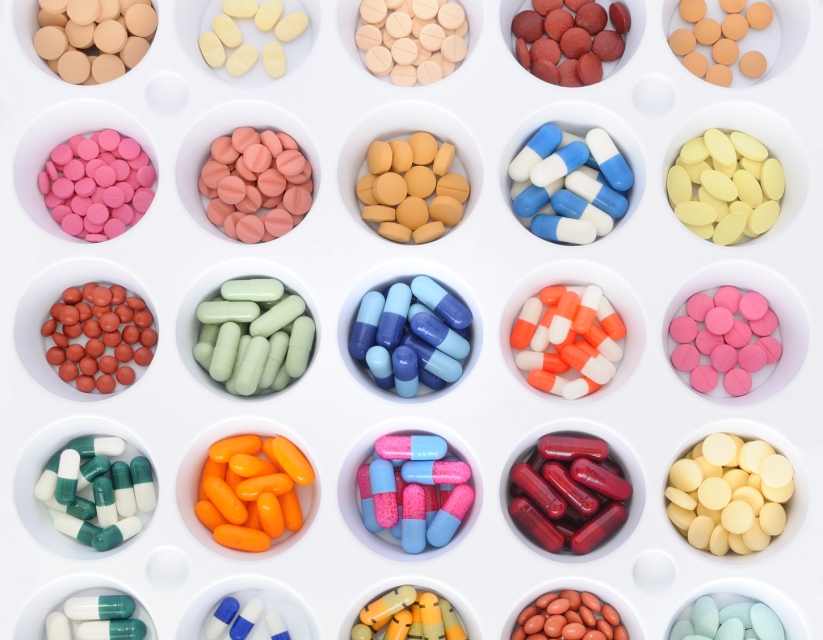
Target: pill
x=291, y=26
x=759, y=15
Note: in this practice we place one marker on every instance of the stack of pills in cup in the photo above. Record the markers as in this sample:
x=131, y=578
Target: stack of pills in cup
x=254, y=340
x=248, y=172
x=725, y=187
x=408, y=183
x=94, y=41
x=728, y=493
x=432, y=350
x=399, y=491
x=92, y=617
x=569, y=615
x=98, y=186
x=247, y=500
x=407, y=612
x=239, y=622
x=569, y=494
x=94, y=329
x=118, y=491
x=567, y=189
x=412, y=41
x=729, y=333
x=737, y=620
x=578, y=329
x=580, y=39
x=267, y=16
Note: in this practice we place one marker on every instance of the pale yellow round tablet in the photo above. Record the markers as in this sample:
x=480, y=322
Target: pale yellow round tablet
x=136, y=49
x=750, y=496
x=780, y=495
x=74, y=67
x=242, y=60
x=700, y=532
x=447, y=210
x=274, y=60
x=368, y=36
x=425, y=9
x=420, y=181
x=141, y=20
x=240, y=8
x=752, y=166
x=82, y=36
x=680, y=498
x=754, y=453
x=680, y=517
x=404, y=75
x=227, y=30
x=709, y=470
x=268, y=14
x=738, y=442
x=109, y=10
x=737, y=545
x=451, y=16
x=719, y=449
x=754, y=481
x=107, y=67
x=365, y=189
x=53, y=6
x=378, y=213
x=714, y=493
x=431, y=37
x=776, y=471
x=772, y=179
x=448, y=67
x=748, y=188
x=443, y=160
x=729, y=229
x=373, y=11
x=50, y=43
x=379, y=61
x=46, y=19
x=686, y=475
x=688, y=456
x=394, y=232
x=772, y=519
x=719, y=541
x=110, y=36
x=292, y=26
x=719, y=146
x=678, y=185
x=714, y=514
x=694, y=151
x=398, y=25
x=404, y=51
x=697, y=451
x=413, y=212
x=718, y=185
x=455, y=186
x=736, y=478
x=83, y=11
x=737, y=517
x=429, y=232
x=454, y=49
x=755, y=538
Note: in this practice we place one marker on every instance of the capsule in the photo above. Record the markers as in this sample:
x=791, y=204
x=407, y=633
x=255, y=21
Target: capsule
x=540, y=339
x=300, y=345
x=411, y=447
x=530, y=360
x=434, y=361
x=47, y=483
x=90, y=447
x=526, y=325
x=585, y=364
x=58, y=626
x=211, y=312
x=281, y=380
x=430, y=617
x=600, y=479
x=560, y=447
x=377, y=614
x=361, y=632
x=141, y=477
x=277, y=626
x=225, y=351
x=393, y=319
x=612, y=164
x=246, y=619
x=568, y=138
x=99, y=608
x=112, y=630
x=413, y=523
x=279, y=316
x=529, y=518
x=67, y=472
x=253, y=290
x=430, y=380
x=397, y=530
x=242, y=538
x=600, y=340
x=250, y=368
x=94, y=468
x=610, y=321
x=561, y=323
x=560, y=164
x=532, y=200
x=436, y=472
x=541, y=145
x=590, y=351
x=550, y=296
x=453, y=628
x=223, y=450
x=600, y=195
x=252, y=488
x=432, y=506
x=579, y=388
x=285, y=453
x=365, y=326
x=384, y=492
x=220, y=620
x=76, y=528
x=450, y=516
x=560, y=229
x=366, y=500
x=596, y=530
x=438, y=335
x=117, y=534
x=587, y=310
x=546, y=381
x=404, y=369
x=575, y=495
x=278, y=347
x=446, y=489
x=453, y=312
x=103, y=492
x=421, y=308
x=400, y=623
x=538, y=491
x=242, y=348
x=204, y=349
x=569, y=205
x=378, y=360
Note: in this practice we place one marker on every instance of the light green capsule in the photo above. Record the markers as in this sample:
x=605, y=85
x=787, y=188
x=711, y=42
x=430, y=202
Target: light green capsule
x=231, y=383
x=220, y=312
x=244, y=327
x=225, y=352
x=288, y=328
x=203, y=350
x=278, y=316
x=251, y=368
x=278, y=346
x=254, y=290
x=281, y=380
x=300, y=344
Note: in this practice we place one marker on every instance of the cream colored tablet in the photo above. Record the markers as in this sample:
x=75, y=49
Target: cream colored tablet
x=274, y=60
x=291, y=26
x=719, y=541
x=700, y=532
x=432, y=37
x=373, y=11
x=451, y=16
x=368, y=36
x=398, y=25
x=240, y=8
x=379, y=61
x=737, y=517
x=212, y=49
x=719, y=449
x=680, y=498
x=714, y=493
x=736, y=478
x=685, y=475
x=753, y=453
x=777, y=494
x=680, y=517
x=227, y=30
x=750, y=496
x=772, y=519
x=242, y=60
x=268, y=13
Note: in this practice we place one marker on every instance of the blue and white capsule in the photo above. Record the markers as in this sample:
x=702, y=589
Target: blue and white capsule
x=434, y=361
x=379, y=361
x=277, y=626
x=541, y=146
x=559, y=164
x=248, y=617
x=568, y=138
x=612, y=163
x=46, y=485
x=430, y=380
x=438, y=335
x=560, y=229
x=393, y=319
x=453, y=312
x=533, y=198
x=570, y=205
x=220, y=620
x=404, y=368
x=365, y=326
x=600, y=195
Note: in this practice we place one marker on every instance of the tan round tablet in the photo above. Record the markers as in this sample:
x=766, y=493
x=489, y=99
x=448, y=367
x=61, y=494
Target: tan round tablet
x=733, y=6
x=394, y=232
x=451, y=16
x=109, y=10
x=772, y=519
x=107, y=67
x=413, y=212
x=80, y=36
x=50, y=43
x=46, y=19
x=753, y=64
x=365, y=189
x=424, y=147
x=448, y=67
x=378, y=213
x=425, y=9
x=682, y=42
x=759, y=15
x=398, y=25
x=110, y=36
x=134, y=51
x=74, y=67
x=83, y=11
x=368, y=36
x=734, y=26
x=686, y=475
x=454, y=49
x=379, y=157
x=53, y=6
x=373, y=11
x=404, y=51
x=429, y=232
x=447, y=210
x=421, y=181
x=404, y=75
x=379, y=61
x=696, y=63
x=431, y=37
x=455, y=186
x=141, y=20
x=390, y=189
x=443, y=160
x=707, y=31
x=402, y=156
x=714, y=493
x=692, y=10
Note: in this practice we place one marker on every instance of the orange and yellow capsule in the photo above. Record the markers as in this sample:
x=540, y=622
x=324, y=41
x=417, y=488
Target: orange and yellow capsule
x=377, y=614
x=430, y=617
x=454, y=630
x=399, y=626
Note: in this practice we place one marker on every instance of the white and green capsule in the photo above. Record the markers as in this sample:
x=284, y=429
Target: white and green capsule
x=220, y=312
x=123, y=489
x=80, y=530
x=254, y=290
x=204, y=348
x=67, y=472
x=251, y=367
x=103, y=492
x=225, y=352
x=112, y=630
x=94, y=468
x=78, y=508
x=278, y=346
x=141, y=478
x=115, y=535
x=58, y=626
x=278, y=316
x=47, y=484
x=99, y=608
x=281, y=380
x=89, y=447
x=300, y=344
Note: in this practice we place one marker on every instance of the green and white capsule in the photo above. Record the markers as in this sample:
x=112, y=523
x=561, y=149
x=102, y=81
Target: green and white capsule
x=123, y=489
x=281, y=380
x=112, y=630
x=141, y=477
x=220, y=312
x=278, y=316
x=204, y=348
x=231, y=383
x=300, y=344
x=67, y=472
x=254, y=290
x=46, y=485
x=251, y=368
x=104, y=501
x=225, y=352
x=80, y=530
x=79, y=508
x=90, y=447
x=58, y=626
x=278, y=346
x=99, y=608
x=94, y=468
x=115, y=535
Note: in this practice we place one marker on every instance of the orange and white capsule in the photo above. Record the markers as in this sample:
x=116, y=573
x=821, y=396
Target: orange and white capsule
x=526, y=323
x=570, y=339
x=581, y=361
x=579, y=388
x=609, y=320
x=587, y=311
x=547, y=381
x=562, y=321
x=550, y=296
x=585, y=347
x=598, y=338
x=530, y=360
x=540, y=339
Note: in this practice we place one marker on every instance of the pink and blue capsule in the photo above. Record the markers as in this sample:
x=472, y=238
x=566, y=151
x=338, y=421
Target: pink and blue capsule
x=245, y=621
x=611, y=162
x=393, y=318
x=559, y=164
x=397, y=530
x=421, y=308
x=94, y=468
x=438, y=335
x=450, y=516
x=384, y=492
x=436, y=472
x=600, y=195
x=366, y=500
x=430, y=380
x=432, y=506
x=413, y=535
x=434, y=361
x=395, y=463
x=379, y=363
x=411, y=447
x=404, y=368
x=46, y=485
x=569, y=205
x=560, y=229
x=446, y=489
x=453, y=312
x=365, y=326
x=542, y=144
x=220, y=620
x=532, y=199
x=277, y=626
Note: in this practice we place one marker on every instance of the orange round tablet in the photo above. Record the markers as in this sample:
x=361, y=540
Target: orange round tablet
x=692, y=10
x=682, y=42
x=720, y=75
x=696, y=63
x=759, y=15
x=707, y=31
x=735, y=26
x=753, y=64
x=733, y=6
x=725, y=52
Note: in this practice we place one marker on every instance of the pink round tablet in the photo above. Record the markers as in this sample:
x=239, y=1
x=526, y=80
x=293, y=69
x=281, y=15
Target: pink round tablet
x=114, y=197
x=287, y=141
x=140, y=161
x=95, y=237
x=80, y=205
x=121, y=169
x=105, y=176
x=114, y=228
x=737, y=382
x=753, y=306
x=297, y=200
x=97, y=196
x=129, y=149
x=63, y=188
x=699, y=305
x=91, y=227
x=59, y=212
x=73, y=142
x=107, y=157
x=142, y=200
x=772, y=347
x=683, y=329
x=765, y=326
x=739, y=335
x=703, y=379
x=290, y=162
x=706, y=342
x=146, y=176
x=43, y=182
x=72, y=224
x=52, y=170
x=75, y=170
x=97, y=214
x=279, y=222
x=728, y=298
x=88, y=150
x=61, y=154
x=52, y=200
x=124, y=213
x=94, y=165
x=752, y=358
x=719, y=321
x=127, y=189
x=108, y=139
x=685, y=357
x=724, y=358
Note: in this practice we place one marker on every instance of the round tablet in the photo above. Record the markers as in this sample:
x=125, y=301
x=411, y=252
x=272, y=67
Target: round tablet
x=74, y=67
x=454, y=49
x=700, y=532
x=429, y=72
x=685, y=357
x=719, y=449
x=412, y=213
x=752, y=358
x=734, y=26
x=685, y=475
x=453, y=185
x=110, y=36
x=737, y=382
x=707, y=31
x=733, y=6
x=753, y=455
x=753, y=306
x=714, y=493
x=404, y=51
x=425, y=9
x=431, y=37
x=682, y=42
x=141, y=20
x=703, y=379
x=83, y=11
x=451, y=16
x=373, y=11
x=403, y=75
x=772, y=347
x=250, y=229
x=724, y=358
x=424, y=147
x=390, y=189
x=379, y=157
x=698, y=306
x=728, y=297
x=753, y=64
x=765, y=326
x=420, y=181
x=721, y=76
x=107, y=67
x=379, y=61
x=739, y=335
x=50, y=43
x=737, y=517
x=369, y=36
x=680, y=498
x=706, y=342
x=725, y=51
x=776, y=471
x=692, y=10
x=719, y=321
x=772, y=519
x=683, y=329
x=759, y=15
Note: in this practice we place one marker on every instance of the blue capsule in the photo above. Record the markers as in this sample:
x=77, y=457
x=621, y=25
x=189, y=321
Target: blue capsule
x=438, y=335
x=532, y=199
x=421, y=308
x=612, y=164
x=434, y=361
x=404, y=367
x=393, y=319
x=381, y=477
x=430, y=380
x=369, y=515
x=600, y=195
x=569, y=205
x=397, y=530
x=379, y=362
x=454, y=313
x=365, y=327
x=245, y=621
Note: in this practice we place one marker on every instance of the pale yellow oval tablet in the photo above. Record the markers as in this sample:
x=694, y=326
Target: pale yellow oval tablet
x=772, y=179
x=404, y=75
x=700, y=532
x=694, y=170
x=729, y=229
x=714, y=493
x=429, y=232
x=379, y=61
x=776, y=471
x=753, y=453
x=751, y=166
x=242, y=60
x=227, y=30
x=737, y=545
x=736, y=478
x=695, y=213
x=737, y=517
x=394, y=232
x=268, y=13
x=404, y=51
x=454, y=49
x=366, y=37
x=431, y=37
x=680, y=517
x=451, y=16
x=686, y=475
x=240, y=8
x=425, y=9
x=750, y=496
x=291, y=26
x=772, y=519
x=777, y=494
x=704, y=232
x=694, y=151
x=749, y=147
x=754, y=481
x=678, y=185
x=373, y=11
x=719, y=146
x=740, y=207
x=719, y=449
x=719, y=185
x=378, y=213
x=763, y=217
x=748, y=188
x=721, y=207
x=726, y=170
x=719, y=541
x=398, y=25
x=680, y=498
x=274, y=60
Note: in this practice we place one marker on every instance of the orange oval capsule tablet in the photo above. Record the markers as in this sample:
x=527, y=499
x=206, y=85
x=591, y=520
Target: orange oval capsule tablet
x=242, y=538
x=232, y=479
x=253, y=521
x=223, y=450
x=208, y=514
x=290, y=459
x=248, y=466
x=276, y=483
x=271, y=515
x=225, y=500
x=211, y=469
x=292, y=512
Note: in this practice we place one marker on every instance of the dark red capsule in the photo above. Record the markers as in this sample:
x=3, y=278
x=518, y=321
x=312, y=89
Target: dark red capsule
x=596, y=530
x=529, y=518
x=536, y=460
x=610, y=465
x=556, y=447
x=566, y=528
x=514, y=491
x=595, y=477
x=577, y=497
x=540, y=493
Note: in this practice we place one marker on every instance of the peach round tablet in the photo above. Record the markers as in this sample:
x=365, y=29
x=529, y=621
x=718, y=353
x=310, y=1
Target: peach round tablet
x=425, y=9
x=454, y=49
x=379, y=61
x=696, y=63
x=404, y=51
x=734, y=26
x=369, y=36
x=290, y=163
x=447, y=210
x=404, y=75
x=682, y=42
x=733, y=6
x=390, y=189
x=110, y=36
x=394, y=232
x=703, y=379
x=753, y=64
x=250, y=229
x=83, y=11
x=420, y=181
x=721, y=76
x=107, y=67
x=692, y=10
x=231, y=190
x=80, y=36
x=365, y=189
x=50, y=43
x=429, y=72
x=431, y=37
x=297, y=201
x=428, y=232
x=707, y=31
x=759, y=15
x=398, y=25
x=423, y=146
x=74, y=67
x=413, y=212
x=685, y=357
x=402, y=156
x=279, y=222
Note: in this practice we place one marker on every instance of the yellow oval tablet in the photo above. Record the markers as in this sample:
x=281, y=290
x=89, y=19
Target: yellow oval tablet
x=704, y=232
x=726, y=170
x=694, y=151
x=755, y=539
x=749, y=147
x=291, y=26
x=714, y=493
x=751, y=166
x=680, y=517
x=274, y=60
x=763, y=217
x=227, y=30
x=242, y=60
x=721, y=207
x=772, y=179
x=779, y=494
x=740, y=207
x=750, y=496
x=729, y=229
x=268, y=14
x=240, y=8
x=678, y=185
x=719, y=449
x=772, y=519
x=694, y=170
x=680, y=498
x=686, y=475
x=719, y=147
x=719, y=185
x=212, y=49
x=737, y=517
x=748, y=188
x=776, y=471
x=700, y=532
x=695, y=213
x=719, y=541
